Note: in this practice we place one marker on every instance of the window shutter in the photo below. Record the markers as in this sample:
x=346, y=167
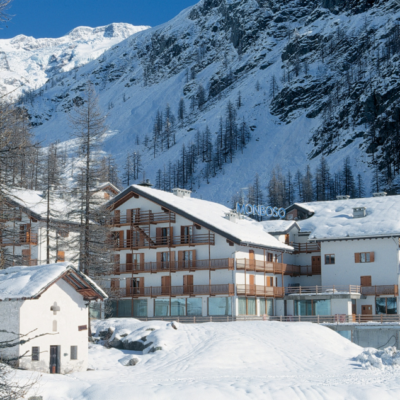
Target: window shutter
x=180, y=259
x=190, y=280
x=141, y=286
x=117, y=216
x=121, y=239
x=372, y=256
x=194, y=258
x=171, y=234
x=159, y=260
x=128, y=286
x=129, y=258
x=116, y=262
x=60, y=256
x=185, y=280
x=158, y=235
x=357, y=257
x=129, y=216
x=142, y=260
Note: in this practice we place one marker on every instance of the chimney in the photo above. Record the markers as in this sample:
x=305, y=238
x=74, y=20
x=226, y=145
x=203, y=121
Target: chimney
x=145, y=183
x=342, y=197
x=181, y=192
x=379, y=194
x=359, y=212
x=232, y=216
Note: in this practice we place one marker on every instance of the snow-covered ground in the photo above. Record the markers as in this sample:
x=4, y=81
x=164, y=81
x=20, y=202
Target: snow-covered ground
x=240, y=360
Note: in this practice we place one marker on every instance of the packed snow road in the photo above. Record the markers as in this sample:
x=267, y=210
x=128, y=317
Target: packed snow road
x=240, y=360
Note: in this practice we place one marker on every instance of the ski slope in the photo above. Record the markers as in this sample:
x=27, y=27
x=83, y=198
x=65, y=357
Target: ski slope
x=239, y=360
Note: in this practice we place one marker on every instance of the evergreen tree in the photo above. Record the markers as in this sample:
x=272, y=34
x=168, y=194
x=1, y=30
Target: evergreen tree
x=347, y=179
x=181, y=110
x=360, y=190
x=307, y=186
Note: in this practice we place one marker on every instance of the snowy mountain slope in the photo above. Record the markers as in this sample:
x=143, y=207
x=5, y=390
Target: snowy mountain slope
x=325, y=77
x=32, y=62
x=225, y=360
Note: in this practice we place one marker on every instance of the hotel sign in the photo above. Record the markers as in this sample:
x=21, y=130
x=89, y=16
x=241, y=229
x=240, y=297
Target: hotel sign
x=262, y=211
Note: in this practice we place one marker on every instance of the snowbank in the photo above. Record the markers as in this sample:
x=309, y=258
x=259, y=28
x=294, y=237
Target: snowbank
x=371, y=358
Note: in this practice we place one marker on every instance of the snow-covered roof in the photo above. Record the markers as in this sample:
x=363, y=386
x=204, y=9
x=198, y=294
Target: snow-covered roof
x=34, y=203
x=334, y=219
x=211, y=215
x=109, y=185
x=20, y=283
x=276, y=227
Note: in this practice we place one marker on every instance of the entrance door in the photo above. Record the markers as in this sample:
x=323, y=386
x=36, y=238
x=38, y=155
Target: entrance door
x=366, y=281
x=366, y=312
x=316, y=265
x=54, y=367
x=251, y=260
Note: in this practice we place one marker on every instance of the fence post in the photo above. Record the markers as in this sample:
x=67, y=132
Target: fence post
x=194, y=319
x=281, y=318
x=318, y=318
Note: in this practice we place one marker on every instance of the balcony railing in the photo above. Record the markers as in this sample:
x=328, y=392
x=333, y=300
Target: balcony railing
x=334, y=289
x=380, y=290
x=18, y=240
x=259, y=290
x=337, y=318
x=306, y=247
x=144, y=218
x=190, y=290
x=165, y=241
x=276, y=268
x=174, y=266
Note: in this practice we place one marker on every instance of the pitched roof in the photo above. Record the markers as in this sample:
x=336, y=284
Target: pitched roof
x=22, y=283
x=210, y=215
x=278, y=227
x=334, y=219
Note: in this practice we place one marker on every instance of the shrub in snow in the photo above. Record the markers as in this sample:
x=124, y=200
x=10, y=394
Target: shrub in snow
x=371, y=358
x=174, y=324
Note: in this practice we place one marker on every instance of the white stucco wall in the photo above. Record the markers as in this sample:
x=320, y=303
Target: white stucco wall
x=36, y=316
x=9, y=321
x=345, y=271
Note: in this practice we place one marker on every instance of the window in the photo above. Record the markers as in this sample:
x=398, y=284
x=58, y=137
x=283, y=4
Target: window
x=140, y=308
x=161, y=308
x=194, y=306
x=266, y=307
x=386, y=305
x=124, y=308
x=178, y=307
x=74, y=352
x=186, y=234
x=35, y=353
x=247, y=306
x=219, y=306
x=364, y=257
x=329, y=259
x=312, y=307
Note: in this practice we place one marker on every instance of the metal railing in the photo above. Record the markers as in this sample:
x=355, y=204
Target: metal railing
x=144, y=218
x=276, y=268
x=334, y=289
x=141, y=241
x=193, y=290
x=174, y=266
x=259, y=290
x=306, y=247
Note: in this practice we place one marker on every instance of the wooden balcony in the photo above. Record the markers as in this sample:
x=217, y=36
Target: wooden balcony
x=276, y=268
x=175, y=266
x=26, y=239
x=143, y=241
x=305, y=247
x=144, y=218
x=259, y=290
x=380, y=290
x=323, y=290
x=173, y=291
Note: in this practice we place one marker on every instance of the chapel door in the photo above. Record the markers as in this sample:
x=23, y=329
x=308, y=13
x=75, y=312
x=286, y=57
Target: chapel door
x=54, y=364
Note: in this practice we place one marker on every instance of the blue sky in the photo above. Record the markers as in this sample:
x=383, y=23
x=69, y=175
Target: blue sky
x=54, y=18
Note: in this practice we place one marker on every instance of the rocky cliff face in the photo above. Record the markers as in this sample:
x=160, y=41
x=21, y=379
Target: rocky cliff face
x=309, y=78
